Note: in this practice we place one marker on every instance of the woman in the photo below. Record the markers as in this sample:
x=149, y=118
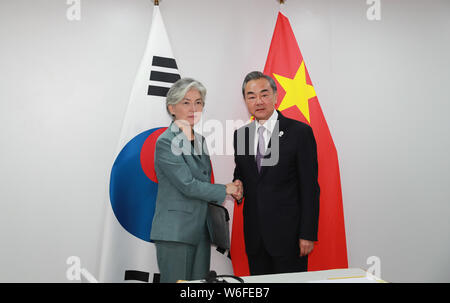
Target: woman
x=183, y=169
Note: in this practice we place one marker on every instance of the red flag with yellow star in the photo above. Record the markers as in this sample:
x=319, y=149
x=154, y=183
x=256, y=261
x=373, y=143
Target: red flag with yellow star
x=297, y=100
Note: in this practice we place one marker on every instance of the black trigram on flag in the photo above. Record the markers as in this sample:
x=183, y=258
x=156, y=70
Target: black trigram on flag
x=163, y=74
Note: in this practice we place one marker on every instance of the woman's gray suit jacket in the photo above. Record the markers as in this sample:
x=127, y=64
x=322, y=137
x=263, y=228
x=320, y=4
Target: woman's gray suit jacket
x=184, y=187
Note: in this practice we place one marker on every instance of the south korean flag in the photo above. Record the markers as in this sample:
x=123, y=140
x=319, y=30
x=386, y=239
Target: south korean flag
x=127, y=252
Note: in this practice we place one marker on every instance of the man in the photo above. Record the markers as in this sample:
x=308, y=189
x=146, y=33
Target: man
x=276, y=169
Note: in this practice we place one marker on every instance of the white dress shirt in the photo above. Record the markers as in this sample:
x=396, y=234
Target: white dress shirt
x=269, y=125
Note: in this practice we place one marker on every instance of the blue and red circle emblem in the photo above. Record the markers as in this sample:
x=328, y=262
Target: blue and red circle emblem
x=133, y=184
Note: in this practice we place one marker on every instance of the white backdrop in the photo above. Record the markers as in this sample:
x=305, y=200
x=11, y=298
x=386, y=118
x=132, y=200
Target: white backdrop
x=383, y=87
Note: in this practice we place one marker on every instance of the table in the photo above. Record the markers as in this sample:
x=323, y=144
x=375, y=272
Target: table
x=347, y=275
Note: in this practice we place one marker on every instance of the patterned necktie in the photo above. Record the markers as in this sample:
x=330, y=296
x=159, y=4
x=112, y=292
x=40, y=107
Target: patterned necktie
x=261, y=147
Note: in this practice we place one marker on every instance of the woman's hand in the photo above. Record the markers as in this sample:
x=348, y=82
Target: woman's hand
x=238, y=195
x=231, y=189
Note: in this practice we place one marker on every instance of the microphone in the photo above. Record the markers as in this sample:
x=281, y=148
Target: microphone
x=212, y=276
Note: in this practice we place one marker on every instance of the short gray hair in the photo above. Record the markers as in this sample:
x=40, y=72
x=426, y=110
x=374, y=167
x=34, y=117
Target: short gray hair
x=255, y=76
x=179, y=89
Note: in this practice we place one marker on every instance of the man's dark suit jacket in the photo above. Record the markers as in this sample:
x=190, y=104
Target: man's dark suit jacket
x=282, y=201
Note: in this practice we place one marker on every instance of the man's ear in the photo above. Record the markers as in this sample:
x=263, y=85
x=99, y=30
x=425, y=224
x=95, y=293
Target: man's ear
x=275, y=98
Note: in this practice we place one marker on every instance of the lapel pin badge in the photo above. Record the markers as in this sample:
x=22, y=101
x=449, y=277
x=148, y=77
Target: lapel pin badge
x=281, y=134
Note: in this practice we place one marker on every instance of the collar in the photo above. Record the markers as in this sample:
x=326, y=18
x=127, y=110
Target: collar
x=270, y=123
x=174, y=128
x=199, y=140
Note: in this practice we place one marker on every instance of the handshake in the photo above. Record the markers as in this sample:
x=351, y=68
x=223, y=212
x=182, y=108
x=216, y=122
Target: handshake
x=236, y=189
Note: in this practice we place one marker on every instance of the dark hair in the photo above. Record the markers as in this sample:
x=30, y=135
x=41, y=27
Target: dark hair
x=258, y=75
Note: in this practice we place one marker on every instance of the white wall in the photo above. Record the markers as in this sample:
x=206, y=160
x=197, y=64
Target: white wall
x=383, y=87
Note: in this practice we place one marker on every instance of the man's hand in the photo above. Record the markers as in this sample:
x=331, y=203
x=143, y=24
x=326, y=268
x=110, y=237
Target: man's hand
x=306, y=247
x=238, y=195
x=231, y=189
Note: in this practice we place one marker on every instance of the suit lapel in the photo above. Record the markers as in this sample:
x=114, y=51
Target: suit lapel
x=202, y=153
x=275, y=137
x=196, y=157
x=250, y=148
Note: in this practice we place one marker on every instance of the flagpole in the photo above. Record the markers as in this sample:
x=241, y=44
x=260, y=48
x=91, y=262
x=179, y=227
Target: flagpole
x=281, y=4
